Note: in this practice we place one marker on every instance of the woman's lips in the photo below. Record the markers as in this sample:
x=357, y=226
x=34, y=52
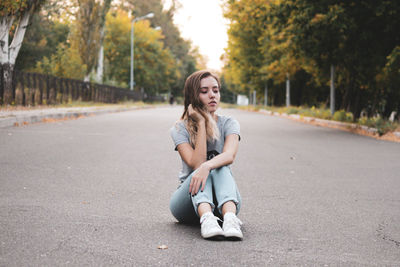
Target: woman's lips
x=212, y=103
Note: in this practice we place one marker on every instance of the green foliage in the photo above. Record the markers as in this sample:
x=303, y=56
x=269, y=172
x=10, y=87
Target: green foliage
x=65, y=43
x=389, y=80
x=41, y=40
x=293, y=110
x=301, y=39
x=86, y=35
x=243, y=71
x=342, y=115
x=186, y=59
x=377, y=122
x=13, y=7
x=66, y=63
x=154, y=65
x=321, y=112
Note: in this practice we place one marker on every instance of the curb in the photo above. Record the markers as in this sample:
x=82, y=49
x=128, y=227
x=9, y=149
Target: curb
x=36, y=116
x=322, y=121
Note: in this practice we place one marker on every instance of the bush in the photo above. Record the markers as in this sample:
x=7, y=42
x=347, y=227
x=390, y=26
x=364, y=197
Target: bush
x=308, y=112
x=325, y=114
x=292, y=110
x=382, y=126
x=344, y=116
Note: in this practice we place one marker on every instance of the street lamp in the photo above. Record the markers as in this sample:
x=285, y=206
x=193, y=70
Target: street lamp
x=148, y=16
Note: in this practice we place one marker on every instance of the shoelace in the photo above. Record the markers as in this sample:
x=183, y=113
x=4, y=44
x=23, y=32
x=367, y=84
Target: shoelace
x=210, y=221
x=234, y=222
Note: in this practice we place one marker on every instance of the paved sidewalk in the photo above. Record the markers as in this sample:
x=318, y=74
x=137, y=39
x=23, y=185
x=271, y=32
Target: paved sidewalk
x=9, y=118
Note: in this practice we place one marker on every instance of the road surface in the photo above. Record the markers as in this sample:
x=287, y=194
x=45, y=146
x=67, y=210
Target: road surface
x=95, y=191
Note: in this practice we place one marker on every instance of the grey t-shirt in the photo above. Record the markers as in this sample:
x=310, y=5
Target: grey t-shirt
x=180, y=135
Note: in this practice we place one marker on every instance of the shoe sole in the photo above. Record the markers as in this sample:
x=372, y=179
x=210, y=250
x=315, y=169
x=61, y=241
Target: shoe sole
x=234, y=238
x=215, y=237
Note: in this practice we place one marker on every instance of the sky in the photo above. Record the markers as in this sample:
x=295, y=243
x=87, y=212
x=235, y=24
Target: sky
x=202, y=22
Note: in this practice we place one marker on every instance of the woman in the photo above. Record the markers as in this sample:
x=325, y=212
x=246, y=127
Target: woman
x=207, y=144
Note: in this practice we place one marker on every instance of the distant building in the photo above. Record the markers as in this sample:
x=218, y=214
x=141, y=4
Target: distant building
x=242, y=100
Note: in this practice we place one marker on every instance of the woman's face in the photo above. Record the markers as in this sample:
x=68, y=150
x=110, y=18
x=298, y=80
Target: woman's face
x=209, y=93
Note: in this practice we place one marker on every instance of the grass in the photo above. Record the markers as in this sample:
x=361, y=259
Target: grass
x=383, y=126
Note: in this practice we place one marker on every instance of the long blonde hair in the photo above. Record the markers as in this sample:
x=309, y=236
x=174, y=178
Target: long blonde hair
x=191, y=93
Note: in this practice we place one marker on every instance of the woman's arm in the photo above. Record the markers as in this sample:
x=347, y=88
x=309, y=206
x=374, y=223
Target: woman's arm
x=228, y=153
x=195, y=157
x=225, y=158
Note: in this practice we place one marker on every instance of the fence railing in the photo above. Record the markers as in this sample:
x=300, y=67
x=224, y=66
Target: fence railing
x=41, y=89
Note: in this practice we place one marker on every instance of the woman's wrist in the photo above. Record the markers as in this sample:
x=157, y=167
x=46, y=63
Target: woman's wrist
x=202, y=122
x=206, y=165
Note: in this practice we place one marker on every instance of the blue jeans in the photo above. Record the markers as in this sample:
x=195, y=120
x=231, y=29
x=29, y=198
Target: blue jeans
x=220, y=188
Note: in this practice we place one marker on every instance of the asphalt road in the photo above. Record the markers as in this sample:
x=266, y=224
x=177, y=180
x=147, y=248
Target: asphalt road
x=95, y=191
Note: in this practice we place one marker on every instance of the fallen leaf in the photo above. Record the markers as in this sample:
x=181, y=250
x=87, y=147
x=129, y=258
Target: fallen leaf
x=163, y=247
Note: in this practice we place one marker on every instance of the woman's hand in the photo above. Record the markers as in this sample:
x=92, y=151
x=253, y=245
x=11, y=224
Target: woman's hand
x=199, y=178
x=194, y=114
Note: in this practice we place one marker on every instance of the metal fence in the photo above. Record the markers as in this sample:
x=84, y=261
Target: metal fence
x=40, y=89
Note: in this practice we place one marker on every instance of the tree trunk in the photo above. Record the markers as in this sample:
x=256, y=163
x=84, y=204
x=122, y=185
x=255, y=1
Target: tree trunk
x=356, y=105
x=347, y=92
x=287, y=90
x=7, y=83
x=1, y=85
x=266, y=95
x=99, y=73
x=332, y=102
x=16, y=43
x=9, y=53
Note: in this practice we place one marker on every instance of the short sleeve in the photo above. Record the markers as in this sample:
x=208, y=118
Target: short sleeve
x=179, y=134
x=231, y=126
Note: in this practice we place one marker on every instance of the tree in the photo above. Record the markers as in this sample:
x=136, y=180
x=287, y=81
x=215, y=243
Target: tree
x=155, y=69
x=318, y=33
x=390, y=80
x=13, y=13
x=89, y=32
x=47, y=30
x=244, y=69
x=65, y=62
x=184, y=55
x=354, y=36
x=312, y=40
x=100, y=67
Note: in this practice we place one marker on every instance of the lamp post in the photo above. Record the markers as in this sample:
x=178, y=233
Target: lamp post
x=148, y=16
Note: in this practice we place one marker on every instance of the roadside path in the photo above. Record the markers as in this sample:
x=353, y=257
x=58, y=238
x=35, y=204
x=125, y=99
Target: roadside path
x=24, y=116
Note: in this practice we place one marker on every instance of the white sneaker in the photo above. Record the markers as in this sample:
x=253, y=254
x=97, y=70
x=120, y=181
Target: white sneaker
x=210, y=228
x=231, y=227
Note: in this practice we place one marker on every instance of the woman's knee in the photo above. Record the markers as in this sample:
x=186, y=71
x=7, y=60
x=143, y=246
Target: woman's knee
x=182, y=211
x=223, y=171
